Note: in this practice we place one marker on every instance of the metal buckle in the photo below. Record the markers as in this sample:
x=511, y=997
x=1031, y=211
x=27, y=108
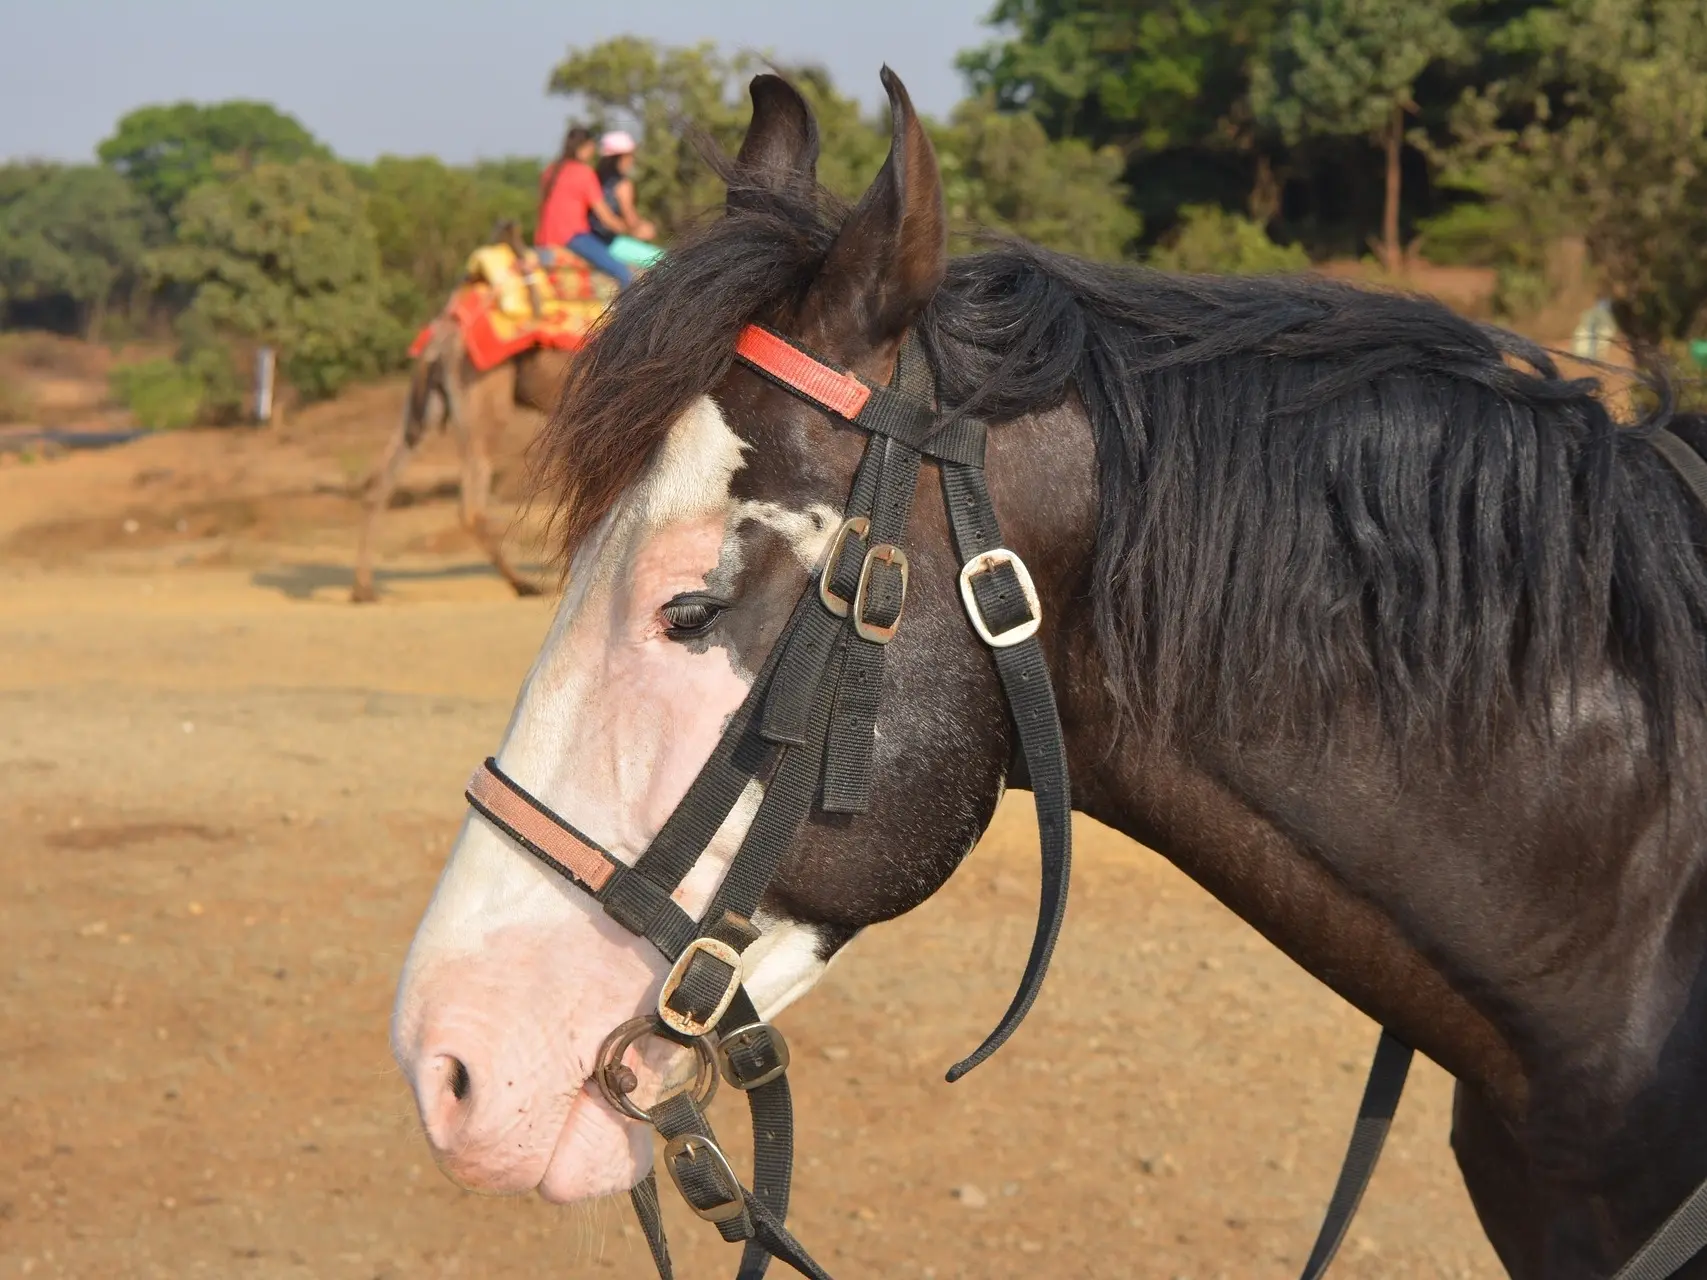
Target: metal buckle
x=888, y=553
x=690, y=1148
x=839, y=605
x=681, y=1023
x=751, y=1036
x=984, y=562
x=616, y=1079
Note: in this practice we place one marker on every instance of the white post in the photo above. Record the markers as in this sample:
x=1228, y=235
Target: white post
x=264, y=363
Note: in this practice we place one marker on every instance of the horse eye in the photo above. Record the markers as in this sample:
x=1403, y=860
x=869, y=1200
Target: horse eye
x=692, y=614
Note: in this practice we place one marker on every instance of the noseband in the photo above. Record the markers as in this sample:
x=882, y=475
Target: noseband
x=805, y=731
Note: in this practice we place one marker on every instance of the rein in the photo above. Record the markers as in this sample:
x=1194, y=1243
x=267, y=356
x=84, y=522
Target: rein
x=806, y=731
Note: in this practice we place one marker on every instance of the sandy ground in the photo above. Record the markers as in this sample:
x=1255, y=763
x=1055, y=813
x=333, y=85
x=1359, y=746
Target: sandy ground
x=225, y=795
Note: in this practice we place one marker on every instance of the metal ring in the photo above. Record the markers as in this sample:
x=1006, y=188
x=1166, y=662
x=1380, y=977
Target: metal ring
x=616, y=1044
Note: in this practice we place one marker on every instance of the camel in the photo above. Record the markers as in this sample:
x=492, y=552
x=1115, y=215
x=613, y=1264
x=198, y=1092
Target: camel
x=476, y=406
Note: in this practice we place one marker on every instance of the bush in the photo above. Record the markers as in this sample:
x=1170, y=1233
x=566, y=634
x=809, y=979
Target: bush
x=284, y=255
x=1473, y=234
x=162, y=395
x=1211, y=241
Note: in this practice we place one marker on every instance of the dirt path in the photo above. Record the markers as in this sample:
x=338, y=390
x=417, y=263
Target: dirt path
x=225, y=796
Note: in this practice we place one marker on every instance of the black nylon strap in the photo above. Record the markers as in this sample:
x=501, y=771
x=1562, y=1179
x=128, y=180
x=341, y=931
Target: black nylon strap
x=794, y=688
x=1024, y=673
x=1374, y=1118
x=1680, y=1238
x=1684, y=460
x=772, y=1110
x=853, y=735
x=644, y=1197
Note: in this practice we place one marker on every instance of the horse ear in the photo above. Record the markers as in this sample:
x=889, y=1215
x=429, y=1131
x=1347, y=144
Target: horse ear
x=781, y=146
x=892, y=252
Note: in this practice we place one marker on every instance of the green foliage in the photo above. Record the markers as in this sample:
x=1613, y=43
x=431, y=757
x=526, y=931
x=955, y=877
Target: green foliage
x=427, y=217
x=162, y=395
x=285, y=255
x=1345, y=67
x=1211, y=241
x=1001, y=172
x=1604, y=129
x=1150, y=75
x=1472, y=234
x=71, y=231
x=167, y=151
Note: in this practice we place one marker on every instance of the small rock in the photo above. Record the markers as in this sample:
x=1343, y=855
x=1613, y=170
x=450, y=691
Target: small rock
x=131, y=526
x=189, y=726
x=196, y=908
x=1030, y=1246
x=1010, y=1189
x=167, y=1202
x=836, y=1052
x=1211, y=963
x=971, y=1196
x=93, y=930
x=866, y=1214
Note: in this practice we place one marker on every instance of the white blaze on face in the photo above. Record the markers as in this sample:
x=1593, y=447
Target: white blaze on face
x=515, y=977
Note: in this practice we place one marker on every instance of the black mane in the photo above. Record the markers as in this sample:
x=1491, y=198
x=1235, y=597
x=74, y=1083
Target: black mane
x=1312, y=496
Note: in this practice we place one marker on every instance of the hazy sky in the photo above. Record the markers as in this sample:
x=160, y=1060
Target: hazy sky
x=458, y=78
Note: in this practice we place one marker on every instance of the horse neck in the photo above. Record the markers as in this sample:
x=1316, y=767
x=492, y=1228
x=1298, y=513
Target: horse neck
x=1541, y=910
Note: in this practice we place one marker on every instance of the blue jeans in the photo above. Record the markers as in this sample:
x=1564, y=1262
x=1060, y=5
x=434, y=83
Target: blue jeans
x=596, y=253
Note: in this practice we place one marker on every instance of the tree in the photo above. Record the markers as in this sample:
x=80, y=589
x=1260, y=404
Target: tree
x=1163, y=80
x=427, y=217
x=1350, y=67
x=1209, y=240
x=284, y=254
x=1605, y=130
x=1000, y=171
x=77, y=233
x=168, y=151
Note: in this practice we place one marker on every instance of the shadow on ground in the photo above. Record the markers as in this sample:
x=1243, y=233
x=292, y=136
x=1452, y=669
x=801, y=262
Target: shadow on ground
x=302, y=581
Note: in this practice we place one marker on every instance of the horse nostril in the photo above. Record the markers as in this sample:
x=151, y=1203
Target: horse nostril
x=458, y=1080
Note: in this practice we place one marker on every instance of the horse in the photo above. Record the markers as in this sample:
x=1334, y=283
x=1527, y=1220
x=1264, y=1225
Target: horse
x=1385, y=633
x=476, y=405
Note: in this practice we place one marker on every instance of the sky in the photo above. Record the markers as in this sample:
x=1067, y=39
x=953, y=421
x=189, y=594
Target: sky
x=462, y=80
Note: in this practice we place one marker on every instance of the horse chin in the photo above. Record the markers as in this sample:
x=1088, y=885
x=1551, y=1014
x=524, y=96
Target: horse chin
x=598, y=1153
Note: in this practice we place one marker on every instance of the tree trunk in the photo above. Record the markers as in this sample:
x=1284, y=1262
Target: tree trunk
x=1390, y=247
x=97, y=314
x=1264, y=203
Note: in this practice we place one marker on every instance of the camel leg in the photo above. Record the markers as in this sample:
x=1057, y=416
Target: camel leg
x=482, y=405
x=379, y=490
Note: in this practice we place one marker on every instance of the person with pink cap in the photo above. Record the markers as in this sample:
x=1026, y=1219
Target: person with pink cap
x=570, y=200
x=628, y=237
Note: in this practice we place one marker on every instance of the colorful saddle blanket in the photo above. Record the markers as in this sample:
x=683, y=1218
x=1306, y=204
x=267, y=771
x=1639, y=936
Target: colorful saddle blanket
x=507, y=305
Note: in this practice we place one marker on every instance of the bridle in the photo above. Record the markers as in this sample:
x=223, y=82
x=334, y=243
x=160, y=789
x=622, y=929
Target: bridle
x=805, y=730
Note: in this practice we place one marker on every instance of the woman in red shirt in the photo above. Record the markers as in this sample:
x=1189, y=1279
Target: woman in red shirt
x=568, y=192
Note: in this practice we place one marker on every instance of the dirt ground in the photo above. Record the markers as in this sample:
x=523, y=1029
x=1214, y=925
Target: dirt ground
x=225, y=795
